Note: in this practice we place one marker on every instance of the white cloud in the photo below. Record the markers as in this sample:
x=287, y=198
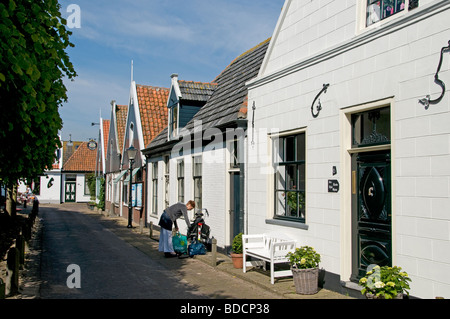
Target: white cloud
x=196, y=39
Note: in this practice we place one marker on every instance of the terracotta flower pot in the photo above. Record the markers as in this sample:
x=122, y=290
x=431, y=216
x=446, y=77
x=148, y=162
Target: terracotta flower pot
x=237, y=260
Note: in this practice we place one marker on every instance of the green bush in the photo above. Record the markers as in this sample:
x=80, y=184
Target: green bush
x=237, y=244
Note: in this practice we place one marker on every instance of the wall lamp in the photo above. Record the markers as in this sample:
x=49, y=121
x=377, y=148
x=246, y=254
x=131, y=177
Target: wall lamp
x=319, y=105
x=426, y=101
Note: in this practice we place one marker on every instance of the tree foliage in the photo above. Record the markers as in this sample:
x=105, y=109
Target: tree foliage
x=33, y=64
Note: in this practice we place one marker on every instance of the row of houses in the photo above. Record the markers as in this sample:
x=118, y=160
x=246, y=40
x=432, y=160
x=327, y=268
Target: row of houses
x=334, y=132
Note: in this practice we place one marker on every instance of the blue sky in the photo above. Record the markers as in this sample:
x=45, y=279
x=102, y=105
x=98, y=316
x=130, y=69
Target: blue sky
x=196, y=39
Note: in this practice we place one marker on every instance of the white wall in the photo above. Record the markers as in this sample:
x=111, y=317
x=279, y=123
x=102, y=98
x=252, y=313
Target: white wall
x=52, y=194
x=396, y=63
x=80, y=196
x=214, y=191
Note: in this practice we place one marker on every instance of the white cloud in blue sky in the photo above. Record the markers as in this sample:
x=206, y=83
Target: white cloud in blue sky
x=196, y=39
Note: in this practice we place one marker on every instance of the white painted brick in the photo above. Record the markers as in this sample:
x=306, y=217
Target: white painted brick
x=432, y=187
x=416, y=247
x=441, y=249
x=414, y=166
x=435, y=229
x=405, y=148
x=440, y=208
x=440, y=165
x=432, y=145
x=415, y=206
x=405, y=186
x=406, y=225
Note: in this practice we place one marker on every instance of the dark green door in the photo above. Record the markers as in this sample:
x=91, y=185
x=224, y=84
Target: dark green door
x=371, y=211
x=70, y=192
x=237, y=218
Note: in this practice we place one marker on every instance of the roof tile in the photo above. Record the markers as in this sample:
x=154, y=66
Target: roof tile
x=82, y=160
x=152, y=107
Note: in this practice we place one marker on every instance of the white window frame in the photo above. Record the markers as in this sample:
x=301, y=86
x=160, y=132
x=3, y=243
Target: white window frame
x=361, y=6
x=195, y=178
x=275, y=163
x=180, y=181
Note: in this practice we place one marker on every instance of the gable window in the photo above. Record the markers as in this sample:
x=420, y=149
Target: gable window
x=197, y=177
x=180, y=179
x=173, y=121
x=289, y=165
x=378, y=10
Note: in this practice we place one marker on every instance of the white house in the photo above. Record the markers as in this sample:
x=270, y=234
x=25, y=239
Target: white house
x=200, y=155
x=50, y=182
x=347, y=155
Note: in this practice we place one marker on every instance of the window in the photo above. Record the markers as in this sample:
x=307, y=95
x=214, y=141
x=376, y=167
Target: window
x=290, y=177
x=155, y=188
x=371, y=127
x=180, y=178
x=197, y=176
x=173, y=121
x=378, y=10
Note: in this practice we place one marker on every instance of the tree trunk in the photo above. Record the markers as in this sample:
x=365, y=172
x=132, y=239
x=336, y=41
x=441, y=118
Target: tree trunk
x=11, y=198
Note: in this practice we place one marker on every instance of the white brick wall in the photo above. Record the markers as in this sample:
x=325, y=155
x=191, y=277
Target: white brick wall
x=400, y=64
x=214, y=187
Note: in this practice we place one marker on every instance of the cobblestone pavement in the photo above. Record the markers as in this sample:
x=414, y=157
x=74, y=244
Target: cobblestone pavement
x=220, y=282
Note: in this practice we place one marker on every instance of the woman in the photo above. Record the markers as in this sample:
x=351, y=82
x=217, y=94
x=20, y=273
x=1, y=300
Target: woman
x=168, y=218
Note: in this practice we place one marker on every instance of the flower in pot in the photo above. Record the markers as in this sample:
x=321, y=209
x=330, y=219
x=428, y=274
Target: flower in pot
x=385, y=283
x=305, y=269
x=236, y=248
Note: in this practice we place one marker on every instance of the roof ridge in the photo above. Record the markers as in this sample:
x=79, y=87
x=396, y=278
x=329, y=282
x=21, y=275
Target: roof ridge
x=151, y=86
x=243, y=54
x=197, y=82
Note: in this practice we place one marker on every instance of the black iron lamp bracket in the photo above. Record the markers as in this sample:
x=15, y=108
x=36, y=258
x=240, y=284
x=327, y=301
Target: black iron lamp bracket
x=319, y=105
x=426, y=101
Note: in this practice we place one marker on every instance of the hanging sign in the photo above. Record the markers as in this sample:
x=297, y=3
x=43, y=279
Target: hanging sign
x=92, y=145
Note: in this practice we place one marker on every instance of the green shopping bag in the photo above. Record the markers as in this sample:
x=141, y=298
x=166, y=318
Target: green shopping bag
x=179, y=243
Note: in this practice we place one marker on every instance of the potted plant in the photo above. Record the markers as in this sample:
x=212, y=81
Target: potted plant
x=305, y=269
x=385, y=283
x=236, y=254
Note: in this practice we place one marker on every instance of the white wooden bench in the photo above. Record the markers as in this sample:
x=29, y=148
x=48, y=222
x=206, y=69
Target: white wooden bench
x=271, y=248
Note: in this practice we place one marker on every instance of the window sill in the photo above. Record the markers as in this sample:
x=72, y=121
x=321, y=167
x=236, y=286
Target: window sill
x=287, y=223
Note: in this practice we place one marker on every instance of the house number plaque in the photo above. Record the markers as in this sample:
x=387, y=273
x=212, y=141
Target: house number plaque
x=333, y=186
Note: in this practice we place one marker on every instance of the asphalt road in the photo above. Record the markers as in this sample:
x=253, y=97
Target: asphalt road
x=86, y=257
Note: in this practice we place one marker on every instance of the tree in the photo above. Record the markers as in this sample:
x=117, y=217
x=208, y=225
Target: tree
x=33, y=65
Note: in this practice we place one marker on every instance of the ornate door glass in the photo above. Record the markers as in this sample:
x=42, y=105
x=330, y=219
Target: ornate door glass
x=371, y=127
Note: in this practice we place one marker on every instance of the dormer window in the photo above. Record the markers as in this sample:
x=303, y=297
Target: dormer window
x=173, y=121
